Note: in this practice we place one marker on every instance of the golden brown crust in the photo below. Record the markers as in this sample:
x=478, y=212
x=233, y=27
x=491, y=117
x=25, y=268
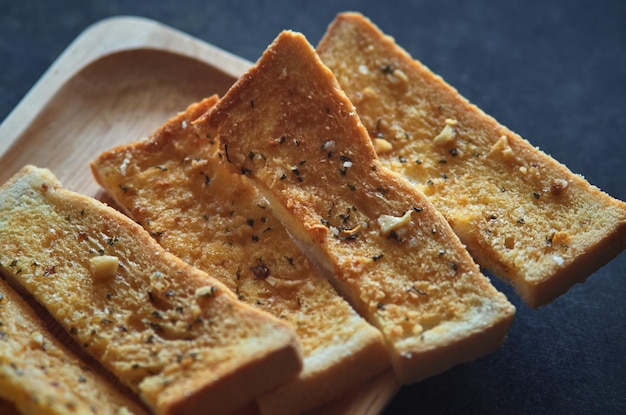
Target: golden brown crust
x=176, y=186
x=287, y=125
x=40, y=375
x=173, y=334
x=520, y=213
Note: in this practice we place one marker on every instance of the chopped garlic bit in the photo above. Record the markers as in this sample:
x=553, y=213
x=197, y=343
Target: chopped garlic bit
x=400, y=75
x=277, y=282
x=183, y=124
x=36, y=339
x=558, y=186
x=124, y=164
x=198, y=162
x=390, y=223
x=329, y=145
x=347, y=164
x=558, y=259
x=382, y=146
x=363, y=70
x=368, y=92
x=206, y=291
x=447, y=134
x=502, y=146
x=103, y=266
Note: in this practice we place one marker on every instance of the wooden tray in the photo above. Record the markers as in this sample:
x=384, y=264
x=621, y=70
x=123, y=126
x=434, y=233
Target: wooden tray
x=116, y=83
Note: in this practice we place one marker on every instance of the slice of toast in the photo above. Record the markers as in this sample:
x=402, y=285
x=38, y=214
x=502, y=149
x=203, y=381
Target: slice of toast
x=521, y=214
x=288, y=126
x=176, y=336
x=39, y=375
x=176, y=186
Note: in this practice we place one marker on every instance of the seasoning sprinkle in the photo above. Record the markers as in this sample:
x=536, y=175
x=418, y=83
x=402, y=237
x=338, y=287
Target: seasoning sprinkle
x=415, y=290
x=207, y=179
x=226, y=152
x=387, y=69
x=261, y=271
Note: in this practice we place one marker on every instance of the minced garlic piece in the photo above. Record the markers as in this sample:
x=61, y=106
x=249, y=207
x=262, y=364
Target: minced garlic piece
x=36, y=340
x=104, y=266
x=206, y=291
x=558, y=186
x=451, y=122
x=368, y=92
x=502, y=146
x=400, y=75
x=447, y=134
x=389, y=223
x=123, y=166
x=382, y=146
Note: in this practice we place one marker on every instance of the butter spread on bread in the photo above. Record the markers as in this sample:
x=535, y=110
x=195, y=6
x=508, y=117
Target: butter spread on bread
x=287, y=125
x=176, y=336
x=522, y=215
x=176, y=186
x=39, y=375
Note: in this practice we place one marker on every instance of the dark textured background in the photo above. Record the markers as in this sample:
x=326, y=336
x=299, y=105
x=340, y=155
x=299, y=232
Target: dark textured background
x=553, y=71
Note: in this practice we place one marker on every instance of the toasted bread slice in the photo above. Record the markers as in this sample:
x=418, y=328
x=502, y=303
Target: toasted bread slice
x=39, y=375
x=176, y=186
x=287, y=125
x=176, y=336
x=520, y=213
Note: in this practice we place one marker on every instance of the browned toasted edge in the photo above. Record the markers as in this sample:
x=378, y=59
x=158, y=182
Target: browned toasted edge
x=581, y=268
x=231, y=394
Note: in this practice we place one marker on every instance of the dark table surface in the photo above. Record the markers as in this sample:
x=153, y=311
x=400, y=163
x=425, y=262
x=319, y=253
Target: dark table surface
x=553, y=71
